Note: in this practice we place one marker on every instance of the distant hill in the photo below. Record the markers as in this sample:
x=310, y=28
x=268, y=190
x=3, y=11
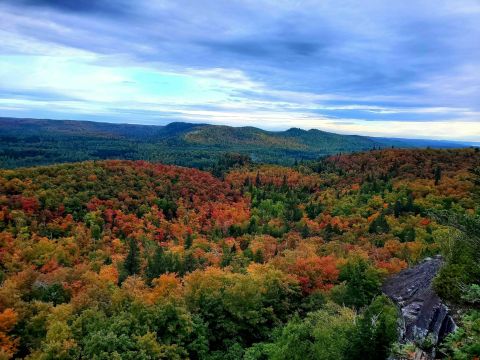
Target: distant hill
x=29, y=142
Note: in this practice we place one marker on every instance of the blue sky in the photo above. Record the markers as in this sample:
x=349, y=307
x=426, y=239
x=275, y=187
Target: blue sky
x=383, y=68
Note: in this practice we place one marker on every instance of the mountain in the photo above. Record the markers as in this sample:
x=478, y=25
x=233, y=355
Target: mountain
x=28, y=142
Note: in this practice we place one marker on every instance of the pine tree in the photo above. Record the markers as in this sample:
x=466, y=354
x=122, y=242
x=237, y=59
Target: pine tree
x=258, y=256
x=305, y=231
x=284, y=183
x=132, y=261
x=189, y=264
x=156, y=264
x=397, y=208
x=258, y=181
x=438, y=175
x=253, y=225
x=409, y=206
x=188, y=241
x=379, y=225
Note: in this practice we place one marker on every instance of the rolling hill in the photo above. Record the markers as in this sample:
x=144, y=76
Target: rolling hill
x=29, y=142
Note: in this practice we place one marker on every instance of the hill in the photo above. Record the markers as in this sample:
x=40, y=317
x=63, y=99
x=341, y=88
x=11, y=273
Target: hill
x=28, y=142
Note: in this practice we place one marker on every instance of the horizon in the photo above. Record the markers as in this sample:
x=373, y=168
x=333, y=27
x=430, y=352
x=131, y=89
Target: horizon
x=460, y=142
x=379, y=70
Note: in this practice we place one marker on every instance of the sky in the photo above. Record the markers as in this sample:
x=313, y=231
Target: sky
x=397, y=68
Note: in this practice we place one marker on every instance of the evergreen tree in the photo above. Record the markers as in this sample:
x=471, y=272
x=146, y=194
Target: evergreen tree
x=189, y=264
x=163, y=262
x=156, y=264
x=437, y=175
x=188, y=241
x=375, y=331
x=132, y=261
x=258, y=256
x=305, y=231
x=253, y=225
x=397, y=208
x=328, y=232
x=408, y=234
x=409, y=207
x=258, y=181
x=284, y=183
x=379, y=225
x=362, y=284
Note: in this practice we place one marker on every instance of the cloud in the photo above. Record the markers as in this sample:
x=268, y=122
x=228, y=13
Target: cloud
x=110, y=7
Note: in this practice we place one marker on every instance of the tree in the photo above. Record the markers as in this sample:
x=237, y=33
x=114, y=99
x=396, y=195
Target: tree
x=379, y=225
x=375, y=331
x=322, y=335
x=59, y=343
x=258, y=256
x=292, y=211
x=131, y=264
x=258, y=180
x=437, y=175
x=240, y=307
x=464, y=343
x=462, y=266
x=305, y=231
x=362, y=283
x=188, y=241
x=397, y=208
x=54, y=293
x=163, y=262
x=8, y=344
x=314, y=272
x=95, y=223
x=409, y=207
x=288, y=247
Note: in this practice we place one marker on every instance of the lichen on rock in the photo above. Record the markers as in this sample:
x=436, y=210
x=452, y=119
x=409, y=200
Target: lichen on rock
x=425, y=318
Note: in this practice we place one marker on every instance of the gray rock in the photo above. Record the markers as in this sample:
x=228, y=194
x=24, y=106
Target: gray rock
x=425, y=318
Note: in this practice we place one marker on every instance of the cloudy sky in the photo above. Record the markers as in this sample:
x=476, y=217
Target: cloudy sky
x=405, y=68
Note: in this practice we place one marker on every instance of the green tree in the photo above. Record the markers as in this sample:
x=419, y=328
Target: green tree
x=375, y=332
x=54, y=293
x=258, y=256
x=362, y=283
x=163, y=262
x=188, y=241
x=464, y=344
x=379, y=225
x=397, y=208
x=437, y=175
x=462, y=257
x=322, y=335
x=131, y=264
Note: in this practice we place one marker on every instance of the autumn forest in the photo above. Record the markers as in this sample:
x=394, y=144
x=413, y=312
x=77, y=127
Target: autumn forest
x=124, y=259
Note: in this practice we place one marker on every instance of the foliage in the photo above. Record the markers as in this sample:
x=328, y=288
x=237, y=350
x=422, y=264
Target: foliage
x=472, y=294
x=322, y=334
x=29, y=142
x=464, y=343
x=362, y=283
x=462, y=268
x=136, y=260
x=375, y=331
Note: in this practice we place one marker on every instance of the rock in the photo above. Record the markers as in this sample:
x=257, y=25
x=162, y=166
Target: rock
x=426, y=319
x=421, y=355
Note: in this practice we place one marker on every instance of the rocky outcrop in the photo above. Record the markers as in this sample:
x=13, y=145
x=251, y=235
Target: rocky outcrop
x=425, y=317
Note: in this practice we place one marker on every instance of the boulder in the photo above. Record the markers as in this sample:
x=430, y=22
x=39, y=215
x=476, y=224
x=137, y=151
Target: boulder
x=425, y=318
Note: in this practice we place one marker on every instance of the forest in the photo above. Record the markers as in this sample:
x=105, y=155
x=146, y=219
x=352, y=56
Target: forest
x=122, y=259
x=33, y=142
